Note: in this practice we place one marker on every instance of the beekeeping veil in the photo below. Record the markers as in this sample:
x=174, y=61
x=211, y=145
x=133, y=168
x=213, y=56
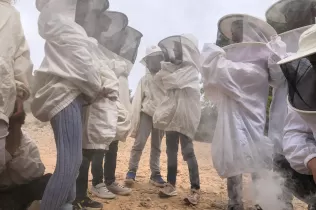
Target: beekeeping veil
x=180, y=109
x=221, y=40
x=152, y=60
x=300, y=74
x=286, y=15
x=245, y=28
x=180, y=49
x=88, y=14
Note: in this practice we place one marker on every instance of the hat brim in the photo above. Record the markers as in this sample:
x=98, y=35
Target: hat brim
x=225, y=23
x=297, y=56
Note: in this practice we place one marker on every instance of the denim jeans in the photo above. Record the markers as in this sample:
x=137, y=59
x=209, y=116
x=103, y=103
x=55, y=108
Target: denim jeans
x=82, y=180
x=108, y=171
x=172, y=140
x=144, y=130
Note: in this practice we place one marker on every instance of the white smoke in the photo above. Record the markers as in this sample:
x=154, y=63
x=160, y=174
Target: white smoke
x=267, y=191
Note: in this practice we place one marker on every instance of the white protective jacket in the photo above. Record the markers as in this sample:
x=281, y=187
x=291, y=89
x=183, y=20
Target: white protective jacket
x=284, y=45
x=237, y=81
x=180, y=109
x=122, y=69
x=147, y=97
x=24, y=166
x=73, y=65
x=299, y=144
x=15, y=63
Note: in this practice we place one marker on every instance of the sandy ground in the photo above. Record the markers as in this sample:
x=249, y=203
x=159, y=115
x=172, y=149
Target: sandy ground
x=144, y=195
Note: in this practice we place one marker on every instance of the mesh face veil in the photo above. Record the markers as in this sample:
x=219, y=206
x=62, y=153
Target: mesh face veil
x=244, y=28
x=287, y=15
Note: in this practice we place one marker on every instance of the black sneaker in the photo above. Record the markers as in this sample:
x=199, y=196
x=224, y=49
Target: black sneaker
x=87, y=204
x=235, y=207
x=257, y=207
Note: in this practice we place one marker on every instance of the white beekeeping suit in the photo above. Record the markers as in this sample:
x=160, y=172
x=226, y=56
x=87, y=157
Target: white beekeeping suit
x=101, y=117
x=290, y=19
x=300, y=74
x=180, y=109
x=72, y=64
x=148, y=94
x=122, y=57
x=15, y=68
x=278, y=112
x=237, y=79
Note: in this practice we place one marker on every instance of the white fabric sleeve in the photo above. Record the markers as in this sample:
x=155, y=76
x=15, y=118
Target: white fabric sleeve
x=276, y=76
x=220, y=73
x=26, y=163
x=136, y=108
x=23, y=65
x=299, y=145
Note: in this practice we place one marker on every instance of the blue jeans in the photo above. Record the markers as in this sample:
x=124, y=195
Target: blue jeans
x=109, y=167
x=83, y=178
x=172, y=140
x=96, y=156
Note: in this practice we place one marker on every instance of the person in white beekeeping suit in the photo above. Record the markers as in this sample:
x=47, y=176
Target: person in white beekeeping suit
x=147, y=97
x=124, y=58
x=101, y=117
x=73, y=74
x=179, y=112
x=15, y=67
x=237, y=78
x=290, y=19
x=299, y=144
x=23, y=180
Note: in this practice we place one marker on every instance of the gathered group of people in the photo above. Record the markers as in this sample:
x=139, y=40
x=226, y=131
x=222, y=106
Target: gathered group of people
x=81, y=88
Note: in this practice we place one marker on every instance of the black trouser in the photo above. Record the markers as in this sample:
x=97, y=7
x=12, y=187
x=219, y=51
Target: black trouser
x=21, y=196
x=83, y=177
x=96, y=157
x=110, y=158
x=302, y=186
x=172, y=141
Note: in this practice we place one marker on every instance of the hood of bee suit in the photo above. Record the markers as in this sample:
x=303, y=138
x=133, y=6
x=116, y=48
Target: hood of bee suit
x=66, y=8
x=152, y=59
x=152, y=49
x=192, y=38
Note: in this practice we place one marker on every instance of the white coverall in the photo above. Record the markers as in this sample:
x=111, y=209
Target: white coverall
x=15, y=68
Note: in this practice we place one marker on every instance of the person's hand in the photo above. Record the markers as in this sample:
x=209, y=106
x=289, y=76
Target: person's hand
x=13, y=140
x=18, y=108
x=312, y=167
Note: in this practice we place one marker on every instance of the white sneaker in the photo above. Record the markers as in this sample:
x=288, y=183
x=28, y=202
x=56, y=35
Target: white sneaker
x=102, y=191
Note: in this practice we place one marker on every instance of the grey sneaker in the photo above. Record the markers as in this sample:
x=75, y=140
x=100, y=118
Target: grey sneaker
x=168, y=191
x=193, y=198
x=119, y=189
x=101, y=191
